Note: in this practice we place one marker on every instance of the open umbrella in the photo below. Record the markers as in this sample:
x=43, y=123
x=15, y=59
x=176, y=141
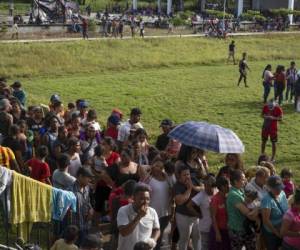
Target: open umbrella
x=208, y=137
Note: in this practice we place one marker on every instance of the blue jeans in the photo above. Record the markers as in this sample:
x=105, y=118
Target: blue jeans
x=267, y=89
x=278, y=90
x=289, y=91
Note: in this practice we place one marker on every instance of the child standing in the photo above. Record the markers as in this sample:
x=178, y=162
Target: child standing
x=38, y=167
x=67, y=243
x=289, y=186
x=98, y=162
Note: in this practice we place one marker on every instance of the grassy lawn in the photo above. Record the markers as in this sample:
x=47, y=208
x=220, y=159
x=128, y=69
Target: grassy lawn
x=184, y=79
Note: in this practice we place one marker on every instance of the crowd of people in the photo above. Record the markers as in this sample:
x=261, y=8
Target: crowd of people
x=145, y=191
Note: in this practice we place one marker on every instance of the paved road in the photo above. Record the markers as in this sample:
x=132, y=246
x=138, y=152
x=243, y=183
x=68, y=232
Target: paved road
x=65, y=39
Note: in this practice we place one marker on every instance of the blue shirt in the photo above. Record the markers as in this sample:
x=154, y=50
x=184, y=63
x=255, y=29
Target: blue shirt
x=276, y=214
x=61, y=201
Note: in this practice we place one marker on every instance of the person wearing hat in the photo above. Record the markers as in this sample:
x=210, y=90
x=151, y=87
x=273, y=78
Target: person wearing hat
x=271, y=113
x=84, y=210
x=83, y=109
x=273, y=205
x=290, y=228
x=18, y=92
x=163, y=139
x=202, y=201
x=113, y=123
x=134, y=121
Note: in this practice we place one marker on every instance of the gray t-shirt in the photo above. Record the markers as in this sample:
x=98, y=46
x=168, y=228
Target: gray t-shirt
x=62, y=179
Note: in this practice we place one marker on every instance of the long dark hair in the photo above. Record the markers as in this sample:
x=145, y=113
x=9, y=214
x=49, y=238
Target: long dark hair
x=268, y=67
x=185, y=153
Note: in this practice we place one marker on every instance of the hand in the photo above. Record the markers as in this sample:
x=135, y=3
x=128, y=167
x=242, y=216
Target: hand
x=142, y=211
x=189, y=184
x=151, y=242
x=90, y=214
x=218, y=237
x=277, y=234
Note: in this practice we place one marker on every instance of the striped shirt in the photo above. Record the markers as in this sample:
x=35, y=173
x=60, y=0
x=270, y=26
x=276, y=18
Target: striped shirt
x=6, y=156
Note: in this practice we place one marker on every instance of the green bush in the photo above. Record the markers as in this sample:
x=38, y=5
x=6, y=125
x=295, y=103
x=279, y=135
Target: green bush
x=251, y=15
x=281, y=12
x=178, y=21
x=218, y=14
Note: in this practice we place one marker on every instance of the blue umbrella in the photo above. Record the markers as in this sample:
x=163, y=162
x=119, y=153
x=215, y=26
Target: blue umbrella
x=208, y=137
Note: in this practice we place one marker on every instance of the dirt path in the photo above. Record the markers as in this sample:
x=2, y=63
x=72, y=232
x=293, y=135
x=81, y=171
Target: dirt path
x=146, y=37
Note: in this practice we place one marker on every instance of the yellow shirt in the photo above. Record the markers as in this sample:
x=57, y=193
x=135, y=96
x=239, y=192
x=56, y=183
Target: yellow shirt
x=30, y=200
x=6, y=155
x=62, y=245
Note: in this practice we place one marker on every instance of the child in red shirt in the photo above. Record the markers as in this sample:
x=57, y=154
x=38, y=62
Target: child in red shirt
x=272, y=113
x=38, y=168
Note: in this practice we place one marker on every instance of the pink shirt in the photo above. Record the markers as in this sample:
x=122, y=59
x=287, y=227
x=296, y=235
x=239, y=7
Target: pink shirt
x=288, y=188
x=293, y=216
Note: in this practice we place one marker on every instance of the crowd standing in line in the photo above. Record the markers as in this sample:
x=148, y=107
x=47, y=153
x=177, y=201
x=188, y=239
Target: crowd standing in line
x=117, y=176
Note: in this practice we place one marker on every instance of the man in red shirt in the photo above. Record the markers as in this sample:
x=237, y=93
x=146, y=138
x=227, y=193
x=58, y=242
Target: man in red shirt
x=39, y=169
x=272, y=113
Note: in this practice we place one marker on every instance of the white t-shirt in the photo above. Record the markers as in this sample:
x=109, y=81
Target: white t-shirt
x=124, y=130
x=261, y=191
x=75, y=164
x=203, y=200
x=160, y=196
x=142, y=231
x=268, y=76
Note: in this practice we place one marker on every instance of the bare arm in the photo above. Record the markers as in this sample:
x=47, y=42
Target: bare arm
x=284, y=231
x=14, y=166
x=128, y=229
x=155, y=234
x=213, y=212
x=266, y=212
x=183, y=198
x=191, y=206
x=19, y=159
x=246, y=212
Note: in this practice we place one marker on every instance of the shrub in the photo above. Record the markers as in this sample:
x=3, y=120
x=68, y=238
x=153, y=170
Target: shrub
x=218, y=14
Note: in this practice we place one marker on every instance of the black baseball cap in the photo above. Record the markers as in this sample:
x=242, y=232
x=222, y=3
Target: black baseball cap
x=16, y=84
x=135, y=111
x=166, y=122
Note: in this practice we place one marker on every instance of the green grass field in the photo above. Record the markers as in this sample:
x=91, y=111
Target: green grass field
x=183, y=79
